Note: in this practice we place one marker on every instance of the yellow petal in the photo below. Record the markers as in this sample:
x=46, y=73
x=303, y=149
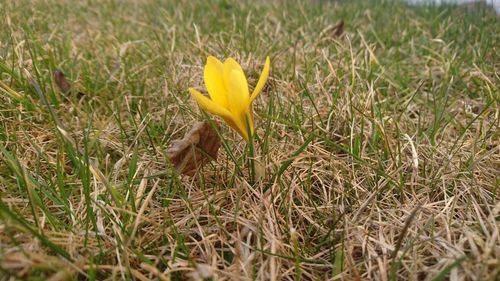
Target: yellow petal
x=214, y=81
x=209, y=105
x=248, y=117
x=262, y=80
x=229, y=65
x=237, y=92
x=238, y=127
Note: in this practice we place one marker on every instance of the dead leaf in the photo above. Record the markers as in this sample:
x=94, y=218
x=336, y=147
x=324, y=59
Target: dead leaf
x=61, y=81
x=64, y=85
x=198, y=147
x=334, y=31
x=338, y=29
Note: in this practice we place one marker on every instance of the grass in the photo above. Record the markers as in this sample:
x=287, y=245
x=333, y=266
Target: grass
x=376, y=155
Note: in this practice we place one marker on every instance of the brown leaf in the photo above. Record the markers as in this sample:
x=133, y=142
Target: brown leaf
x=338, y=29
x=198, y=147
x=64, y=85
x=334, y=31
x=61, y=81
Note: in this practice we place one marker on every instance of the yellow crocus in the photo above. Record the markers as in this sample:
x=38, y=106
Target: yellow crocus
x=230, y=99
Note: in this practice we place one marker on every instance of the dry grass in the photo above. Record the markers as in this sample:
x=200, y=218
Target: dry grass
x=378, y=151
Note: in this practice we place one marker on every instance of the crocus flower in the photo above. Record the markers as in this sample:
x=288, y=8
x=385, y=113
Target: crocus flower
x=230, y=99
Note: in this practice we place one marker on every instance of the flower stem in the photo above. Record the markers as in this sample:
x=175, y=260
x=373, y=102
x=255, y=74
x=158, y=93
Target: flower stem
x=251, y=153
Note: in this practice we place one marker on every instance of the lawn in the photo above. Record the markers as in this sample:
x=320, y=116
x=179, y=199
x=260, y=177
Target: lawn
x=375, y=156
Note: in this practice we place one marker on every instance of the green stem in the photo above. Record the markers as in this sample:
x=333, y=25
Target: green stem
x=251, y=153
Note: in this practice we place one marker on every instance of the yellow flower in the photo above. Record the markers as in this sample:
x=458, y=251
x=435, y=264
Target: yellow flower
x=227, y=87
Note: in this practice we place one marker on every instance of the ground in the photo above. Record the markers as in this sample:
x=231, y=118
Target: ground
x=376, y=151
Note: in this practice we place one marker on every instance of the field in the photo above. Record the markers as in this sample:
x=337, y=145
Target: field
x=376, y=152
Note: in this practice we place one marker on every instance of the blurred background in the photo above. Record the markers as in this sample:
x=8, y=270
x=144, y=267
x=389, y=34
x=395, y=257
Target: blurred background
x=493, y=3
